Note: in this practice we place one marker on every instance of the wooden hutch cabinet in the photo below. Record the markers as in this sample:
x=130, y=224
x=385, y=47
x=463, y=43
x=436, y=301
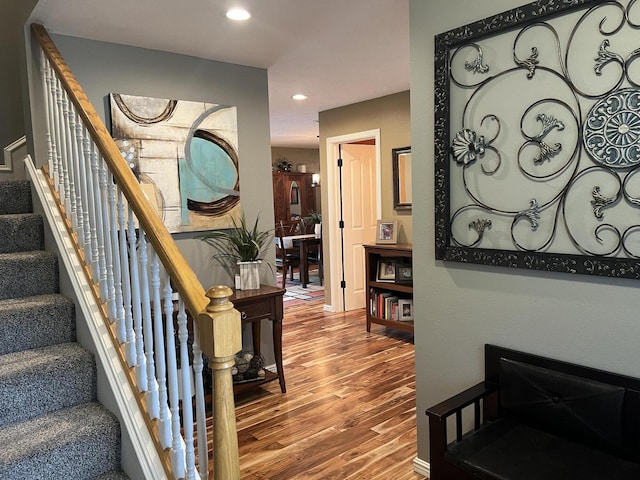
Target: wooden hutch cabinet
x=293, y=195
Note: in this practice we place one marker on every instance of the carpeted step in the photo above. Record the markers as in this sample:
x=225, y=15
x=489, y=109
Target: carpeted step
x=115, y=475
x=21, y=232
x=15, y=196
x=80, y=442
x=25, y=274
x=34, y=322
x=41, y=380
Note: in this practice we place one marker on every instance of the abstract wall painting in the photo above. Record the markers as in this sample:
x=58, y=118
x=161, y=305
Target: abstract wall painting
x=185, y=156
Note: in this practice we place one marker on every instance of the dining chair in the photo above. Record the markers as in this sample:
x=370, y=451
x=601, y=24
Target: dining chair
x=287, y=257
x=314, y=257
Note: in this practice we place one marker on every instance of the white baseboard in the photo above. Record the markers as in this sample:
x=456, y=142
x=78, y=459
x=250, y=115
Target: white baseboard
x=421, y=467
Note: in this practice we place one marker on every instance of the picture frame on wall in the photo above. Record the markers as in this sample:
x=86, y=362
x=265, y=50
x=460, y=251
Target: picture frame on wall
x=386, y=271
x=387, y=232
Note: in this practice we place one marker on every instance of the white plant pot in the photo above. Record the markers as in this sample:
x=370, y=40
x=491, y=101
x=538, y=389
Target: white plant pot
x=317, y=229
x=249, y=275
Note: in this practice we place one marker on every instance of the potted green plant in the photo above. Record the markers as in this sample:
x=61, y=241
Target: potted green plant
x=241, y=250
x=315, y=218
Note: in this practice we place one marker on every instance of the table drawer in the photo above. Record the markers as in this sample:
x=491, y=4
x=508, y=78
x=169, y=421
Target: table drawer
x=256, y=310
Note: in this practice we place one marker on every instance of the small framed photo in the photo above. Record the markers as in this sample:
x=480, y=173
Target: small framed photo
x=405, y=309
x=404, y=274
x=387, y=232
x=386, y=271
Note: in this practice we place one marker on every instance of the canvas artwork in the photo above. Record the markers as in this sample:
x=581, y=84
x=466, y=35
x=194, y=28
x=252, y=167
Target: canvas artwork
x=184, y=154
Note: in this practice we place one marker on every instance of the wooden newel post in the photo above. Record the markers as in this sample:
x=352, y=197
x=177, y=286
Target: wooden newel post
x=221, y=338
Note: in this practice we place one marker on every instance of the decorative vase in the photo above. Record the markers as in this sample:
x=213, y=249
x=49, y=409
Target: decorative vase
x=249, y=275
x=317, y=229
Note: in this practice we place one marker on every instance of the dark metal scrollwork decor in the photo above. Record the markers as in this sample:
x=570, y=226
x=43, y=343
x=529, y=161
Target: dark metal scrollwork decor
x=537, y=139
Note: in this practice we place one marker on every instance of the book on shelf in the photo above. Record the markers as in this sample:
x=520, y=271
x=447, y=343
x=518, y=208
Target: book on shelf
x=386, y=305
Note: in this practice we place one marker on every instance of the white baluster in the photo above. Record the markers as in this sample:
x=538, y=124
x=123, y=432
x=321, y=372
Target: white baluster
x=87, y=190
x=74, y=181
x=185, y=369
x=177, y=446
x=147, y=322
x=107, y=276
x=118, y=308
x=201, y=414
x=141, y=368
x=44, y=67
x=69, y=142
x=62, y=151
x=100, y=274
x=91, y=249
x=81, y=189
x=164, y=421
x=130, y=344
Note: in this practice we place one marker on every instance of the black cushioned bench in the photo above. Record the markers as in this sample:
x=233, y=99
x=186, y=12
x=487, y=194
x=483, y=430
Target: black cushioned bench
x=536, y=418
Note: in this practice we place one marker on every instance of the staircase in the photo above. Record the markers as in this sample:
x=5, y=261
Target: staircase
x=51, y=425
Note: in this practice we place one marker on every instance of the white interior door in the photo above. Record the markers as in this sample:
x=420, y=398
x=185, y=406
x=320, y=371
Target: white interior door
x=353, y=191
x=359, y=190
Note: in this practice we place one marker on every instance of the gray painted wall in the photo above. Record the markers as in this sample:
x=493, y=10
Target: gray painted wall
x=13, y=14
x=586, y=320
x=102, y=68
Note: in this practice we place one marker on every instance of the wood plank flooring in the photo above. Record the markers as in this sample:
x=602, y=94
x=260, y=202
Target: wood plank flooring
x=349, y=410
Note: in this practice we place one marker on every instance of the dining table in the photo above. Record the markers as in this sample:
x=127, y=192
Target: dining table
x=303, y=242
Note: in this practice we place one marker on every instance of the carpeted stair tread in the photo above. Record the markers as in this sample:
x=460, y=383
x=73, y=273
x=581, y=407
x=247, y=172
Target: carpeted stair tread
x=80, y=442
x=21, y=232
x=50, y=425
x=15, y=196
x=115, y=475
x=24, y=274
x=41, y=380
x=34, y=322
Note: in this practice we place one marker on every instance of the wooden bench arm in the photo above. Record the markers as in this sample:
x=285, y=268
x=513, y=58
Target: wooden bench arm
x=438, y=425
x=461, y=400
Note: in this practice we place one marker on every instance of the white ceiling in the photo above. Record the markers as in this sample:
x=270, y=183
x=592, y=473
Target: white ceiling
x=337, y=52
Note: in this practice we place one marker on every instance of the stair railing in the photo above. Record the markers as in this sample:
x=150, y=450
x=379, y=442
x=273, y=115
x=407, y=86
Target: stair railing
x=143, y=283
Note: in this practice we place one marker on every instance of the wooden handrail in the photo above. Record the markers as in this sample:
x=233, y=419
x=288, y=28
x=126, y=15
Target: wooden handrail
x=185, y=280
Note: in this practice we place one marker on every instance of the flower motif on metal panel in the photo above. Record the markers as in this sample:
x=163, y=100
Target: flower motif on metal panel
x=532, y=214
x=612, y=130
x=530, y=63
x=466, y=148
x=599, y=202
x=480, y=225
x=605, y=57
x=549, y=122
x=477, y=66
x=546, y=152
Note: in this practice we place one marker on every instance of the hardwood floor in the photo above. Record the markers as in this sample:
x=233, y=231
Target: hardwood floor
x=349, y=410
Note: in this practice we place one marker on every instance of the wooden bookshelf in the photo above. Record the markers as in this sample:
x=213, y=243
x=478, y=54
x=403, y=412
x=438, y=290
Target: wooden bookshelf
x=382, y=285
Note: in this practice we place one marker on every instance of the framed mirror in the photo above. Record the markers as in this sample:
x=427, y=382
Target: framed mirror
x=401, y=178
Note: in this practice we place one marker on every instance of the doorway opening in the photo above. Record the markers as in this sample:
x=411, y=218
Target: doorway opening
x=353, y=189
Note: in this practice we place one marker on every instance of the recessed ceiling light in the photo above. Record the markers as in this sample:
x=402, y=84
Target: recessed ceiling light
x=299, y=96
x=238, y=14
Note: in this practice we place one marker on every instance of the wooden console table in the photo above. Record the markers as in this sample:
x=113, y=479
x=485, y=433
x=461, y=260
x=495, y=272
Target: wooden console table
x=254, y=306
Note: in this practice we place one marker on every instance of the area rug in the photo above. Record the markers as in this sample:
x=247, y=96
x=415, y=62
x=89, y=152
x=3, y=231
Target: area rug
x=295, y=294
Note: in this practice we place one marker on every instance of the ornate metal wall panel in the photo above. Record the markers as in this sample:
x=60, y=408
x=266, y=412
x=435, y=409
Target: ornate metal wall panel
x=537, y=139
